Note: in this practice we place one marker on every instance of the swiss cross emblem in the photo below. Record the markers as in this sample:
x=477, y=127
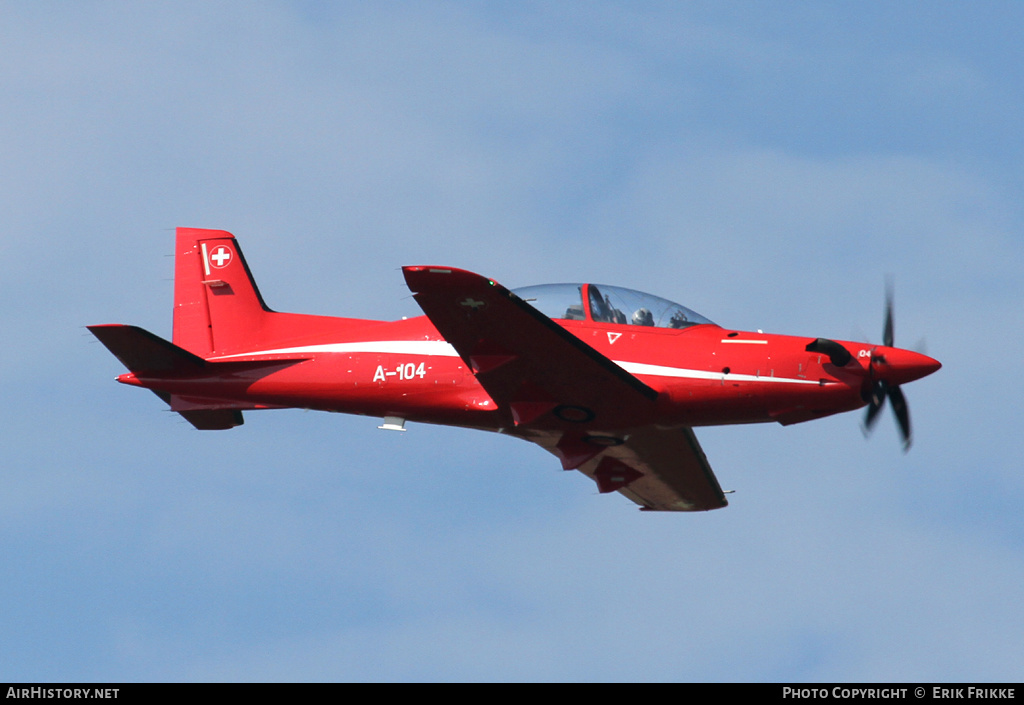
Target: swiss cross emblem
x=220, y=257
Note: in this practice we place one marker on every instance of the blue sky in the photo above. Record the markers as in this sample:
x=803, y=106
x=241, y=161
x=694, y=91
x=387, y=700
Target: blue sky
x=766, y=164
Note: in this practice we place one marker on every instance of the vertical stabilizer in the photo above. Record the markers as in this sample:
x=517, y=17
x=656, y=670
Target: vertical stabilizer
x=217, y=307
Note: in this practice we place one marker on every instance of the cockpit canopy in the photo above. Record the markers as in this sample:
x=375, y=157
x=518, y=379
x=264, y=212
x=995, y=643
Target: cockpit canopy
x=607, y=304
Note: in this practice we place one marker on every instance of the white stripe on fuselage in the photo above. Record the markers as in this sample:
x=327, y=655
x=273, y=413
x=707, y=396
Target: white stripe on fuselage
x=640, y=368
x=399, y=347
x=441, y=348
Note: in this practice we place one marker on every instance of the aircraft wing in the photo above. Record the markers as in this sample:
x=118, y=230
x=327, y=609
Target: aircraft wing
x=532, y=367
x=527, y=363
x=659, y=469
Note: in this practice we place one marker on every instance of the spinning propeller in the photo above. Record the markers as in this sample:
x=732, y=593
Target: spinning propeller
x=888, y=367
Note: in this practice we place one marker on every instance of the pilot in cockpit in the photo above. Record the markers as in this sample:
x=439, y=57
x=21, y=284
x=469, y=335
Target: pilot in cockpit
x=643, y=317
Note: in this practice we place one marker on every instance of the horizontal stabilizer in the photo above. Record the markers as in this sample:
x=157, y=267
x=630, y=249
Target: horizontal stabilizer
x=140, y=350
x=214, y=419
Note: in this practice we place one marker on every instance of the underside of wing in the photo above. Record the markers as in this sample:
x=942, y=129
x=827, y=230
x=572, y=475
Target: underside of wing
x=659, y=469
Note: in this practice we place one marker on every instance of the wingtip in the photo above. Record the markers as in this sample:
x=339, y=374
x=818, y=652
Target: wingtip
x=420, y=277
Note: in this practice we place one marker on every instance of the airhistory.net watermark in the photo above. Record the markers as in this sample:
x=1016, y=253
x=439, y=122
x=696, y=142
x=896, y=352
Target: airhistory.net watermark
x=62, y=693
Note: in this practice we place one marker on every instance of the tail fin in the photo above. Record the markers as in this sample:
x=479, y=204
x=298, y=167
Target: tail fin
x=217, y=307
x=219, y=311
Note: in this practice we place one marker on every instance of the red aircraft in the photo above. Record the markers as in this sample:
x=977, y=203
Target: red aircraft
x=609, y=380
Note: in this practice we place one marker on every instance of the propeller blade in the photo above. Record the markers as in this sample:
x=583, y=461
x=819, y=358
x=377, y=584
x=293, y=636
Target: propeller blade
x=899, y=408
x=874, y=406
x=887, y=334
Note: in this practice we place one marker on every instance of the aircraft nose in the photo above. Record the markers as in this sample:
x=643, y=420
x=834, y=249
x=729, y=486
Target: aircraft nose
x=897, y=366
